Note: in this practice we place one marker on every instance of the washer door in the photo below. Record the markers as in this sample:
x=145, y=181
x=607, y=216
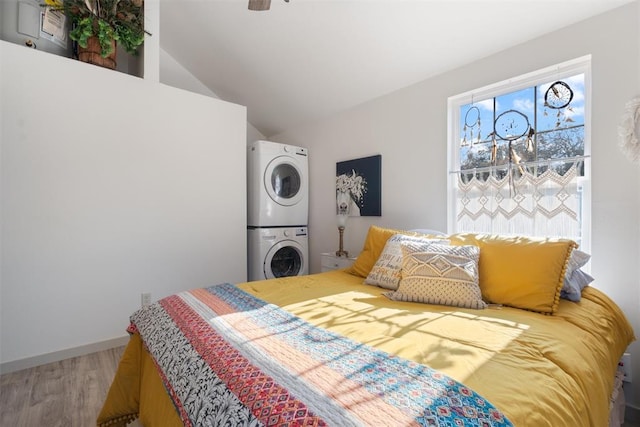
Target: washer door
x=284, y=259
x=283, y=181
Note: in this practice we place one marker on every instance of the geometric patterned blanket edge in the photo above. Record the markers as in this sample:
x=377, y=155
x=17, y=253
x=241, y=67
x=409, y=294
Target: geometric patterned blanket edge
x=227, y=357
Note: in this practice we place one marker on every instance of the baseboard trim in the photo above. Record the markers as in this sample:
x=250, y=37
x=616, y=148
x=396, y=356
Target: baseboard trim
x=56, y=356
x=632, y=413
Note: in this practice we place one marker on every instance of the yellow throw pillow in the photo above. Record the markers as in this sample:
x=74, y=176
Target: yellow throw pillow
x=373, y=245
x=522, y=272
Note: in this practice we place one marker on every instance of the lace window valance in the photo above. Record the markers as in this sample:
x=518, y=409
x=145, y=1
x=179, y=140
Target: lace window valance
x=540, y=198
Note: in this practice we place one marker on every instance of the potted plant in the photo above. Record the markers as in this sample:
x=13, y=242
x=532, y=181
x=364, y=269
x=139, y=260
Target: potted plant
x=97, y=25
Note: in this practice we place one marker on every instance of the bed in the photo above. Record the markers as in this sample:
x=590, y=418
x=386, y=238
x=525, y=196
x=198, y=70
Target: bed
x=334, y=349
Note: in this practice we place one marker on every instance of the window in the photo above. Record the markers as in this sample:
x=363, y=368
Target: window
x=519, y=155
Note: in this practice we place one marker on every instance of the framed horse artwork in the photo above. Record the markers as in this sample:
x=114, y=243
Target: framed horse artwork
x=358, y=186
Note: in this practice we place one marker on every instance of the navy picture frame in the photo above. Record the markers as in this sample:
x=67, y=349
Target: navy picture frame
x=362, y=180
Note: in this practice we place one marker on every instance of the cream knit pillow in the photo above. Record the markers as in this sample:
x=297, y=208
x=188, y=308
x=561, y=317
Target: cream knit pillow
x=440, y=274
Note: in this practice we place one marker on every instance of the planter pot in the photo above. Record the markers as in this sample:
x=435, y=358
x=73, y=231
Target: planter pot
x=91, y=54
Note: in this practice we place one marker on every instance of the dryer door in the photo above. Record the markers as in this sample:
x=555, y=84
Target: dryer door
x=284, y=259
x=283, y=181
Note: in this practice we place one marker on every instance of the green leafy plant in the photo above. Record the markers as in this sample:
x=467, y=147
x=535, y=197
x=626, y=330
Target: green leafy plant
x=121, y=21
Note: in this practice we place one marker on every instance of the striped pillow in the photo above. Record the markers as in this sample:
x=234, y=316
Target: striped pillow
x=386, y=271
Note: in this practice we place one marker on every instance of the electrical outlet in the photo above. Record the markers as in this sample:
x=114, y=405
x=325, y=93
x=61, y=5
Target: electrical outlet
x=145, y=299
x=625, y=365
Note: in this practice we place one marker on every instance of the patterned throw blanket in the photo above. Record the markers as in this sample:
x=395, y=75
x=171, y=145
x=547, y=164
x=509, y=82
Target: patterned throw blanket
x=229, y=358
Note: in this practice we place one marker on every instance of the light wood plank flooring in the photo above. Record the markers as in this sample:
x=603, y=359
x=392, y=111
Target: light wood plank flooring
x=66, y=393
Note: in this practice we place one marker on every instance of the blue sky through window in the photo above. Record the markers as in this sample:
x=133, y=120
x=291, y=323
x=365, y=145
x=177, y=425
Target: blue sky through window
x=475, y=137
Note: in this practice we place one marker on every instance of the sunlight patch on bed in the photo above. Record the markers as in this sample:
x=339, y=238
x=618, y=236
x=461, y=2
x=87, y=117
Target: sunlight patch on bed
x=396, y=327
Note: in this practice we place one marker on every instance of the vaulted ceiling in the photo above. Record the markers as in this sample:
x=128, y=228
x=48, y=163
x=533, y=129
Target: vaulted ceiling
x=307, y=59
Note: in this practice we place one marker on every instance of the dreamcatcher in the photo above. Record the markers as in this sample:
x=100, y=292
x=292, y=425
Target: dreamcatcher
x=471, y=122
x=510, y=126
x=558, y=97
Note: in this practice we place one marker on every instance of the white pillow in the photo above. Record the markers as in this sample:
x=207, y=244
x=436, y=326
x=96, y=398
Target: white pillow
x=577, y=260
x=575, y=280
x=441, y=274
x=573, y=286
x=386, y=271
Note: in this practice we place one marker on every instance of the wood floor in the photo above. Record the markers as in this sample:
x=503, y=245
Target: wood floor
x=68, y=393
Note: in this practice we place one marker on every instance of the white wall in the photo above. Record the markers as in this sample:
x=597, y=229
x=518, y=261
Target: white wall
x=409, y=129
x=174, y=74
x=111, y=186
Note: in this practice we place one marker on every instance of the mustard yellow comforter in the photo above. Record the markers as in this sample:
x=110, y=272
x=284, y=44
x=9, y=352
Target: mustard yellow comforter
x=539, y=370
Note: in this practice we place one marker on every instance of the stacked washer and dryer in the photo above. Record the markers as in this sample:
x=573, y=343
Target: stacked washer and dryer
x=277, y=210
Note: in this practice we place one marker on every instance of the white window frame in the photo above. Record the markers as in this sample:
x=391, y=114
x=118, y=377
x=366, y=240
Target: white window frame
x=545, y=75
